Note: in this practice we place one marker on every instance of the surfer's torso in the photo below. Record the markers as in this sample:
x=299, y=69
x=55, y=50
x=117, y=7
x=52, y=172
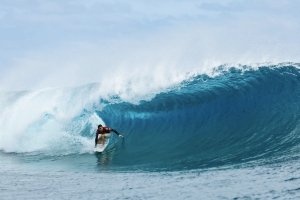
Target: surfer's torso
x=102, y=131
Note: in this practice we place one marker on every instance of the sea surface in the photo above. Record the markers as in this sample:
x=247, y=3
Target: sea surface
x=230, y=134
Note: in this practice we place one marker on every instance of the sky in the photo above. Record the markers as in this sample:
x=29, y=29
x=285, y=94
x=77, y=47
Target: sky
x=58, y=43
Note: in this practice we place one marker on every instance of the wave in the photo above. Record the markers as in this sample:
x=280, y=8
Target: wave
x=241, y=114
x=235, y=117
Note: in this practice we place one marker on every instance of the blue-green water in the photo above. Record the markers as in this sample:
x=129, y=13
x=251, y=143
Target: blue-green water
x=234, y=135
x=52, y=180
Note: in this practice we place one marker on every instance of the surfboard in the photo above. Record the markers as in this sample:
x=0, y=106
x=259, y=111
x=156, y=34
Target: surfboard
x=101, y=147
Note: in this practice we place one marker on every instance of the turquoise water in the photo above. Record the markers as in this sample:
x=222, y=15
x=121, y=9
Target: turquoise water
x=234, y=135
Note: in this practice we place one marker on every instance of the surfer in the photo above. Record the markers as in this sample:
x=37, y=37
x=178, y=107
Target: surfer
x=102, y=130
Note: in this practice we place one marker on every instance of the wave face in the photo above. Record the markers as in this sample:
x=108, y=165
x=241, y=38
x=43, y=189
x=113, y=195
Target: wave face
x=235, y=117
x=242, y=114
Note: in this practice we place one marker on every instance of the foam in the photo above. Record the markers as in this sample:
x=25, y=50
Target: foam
x=35, y=121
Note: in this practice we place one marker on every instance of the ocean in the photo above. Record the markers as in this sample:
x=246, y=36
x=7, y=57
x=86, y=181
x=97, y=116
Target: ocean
x=230, y=134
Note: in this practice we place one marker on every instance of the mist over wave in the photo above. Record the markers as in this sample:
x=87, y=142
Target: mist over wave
x=241, y=113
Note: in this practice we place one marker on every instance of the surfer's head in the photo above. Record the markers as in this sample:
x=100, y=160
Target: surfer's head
x=100, y=125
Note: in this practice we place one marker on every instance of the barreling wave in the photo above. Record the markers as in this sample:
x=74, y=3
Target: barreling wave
x=242, y=114
x=237, y=116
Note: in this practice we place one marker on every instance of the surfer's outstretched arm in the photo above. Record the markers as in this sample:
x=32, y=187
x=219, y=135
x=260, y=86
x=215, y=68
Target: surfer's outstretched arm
x=116, y=132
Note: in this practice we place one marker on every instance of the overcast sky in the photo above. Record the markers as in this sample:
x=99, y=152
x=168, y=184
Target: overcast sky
x=74, y=42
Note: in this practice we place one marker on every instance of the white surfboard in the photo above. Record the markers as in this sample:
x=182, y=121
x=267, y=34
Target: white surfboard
x=101, y=147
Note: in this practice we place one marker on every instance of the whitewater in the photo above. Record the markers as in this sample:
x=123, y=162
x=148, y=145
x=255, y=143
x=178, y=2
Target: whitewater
x=232, y=133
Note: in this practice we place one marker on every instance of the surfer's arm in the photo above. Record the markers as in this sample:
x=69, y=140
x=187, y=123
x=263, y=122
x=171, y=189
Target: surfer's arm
x=116, y=132
x=96, y=139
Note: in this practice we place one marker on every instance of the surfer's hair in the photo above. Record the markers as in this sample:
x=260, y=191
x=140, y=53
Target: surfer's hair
x=100, y=125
